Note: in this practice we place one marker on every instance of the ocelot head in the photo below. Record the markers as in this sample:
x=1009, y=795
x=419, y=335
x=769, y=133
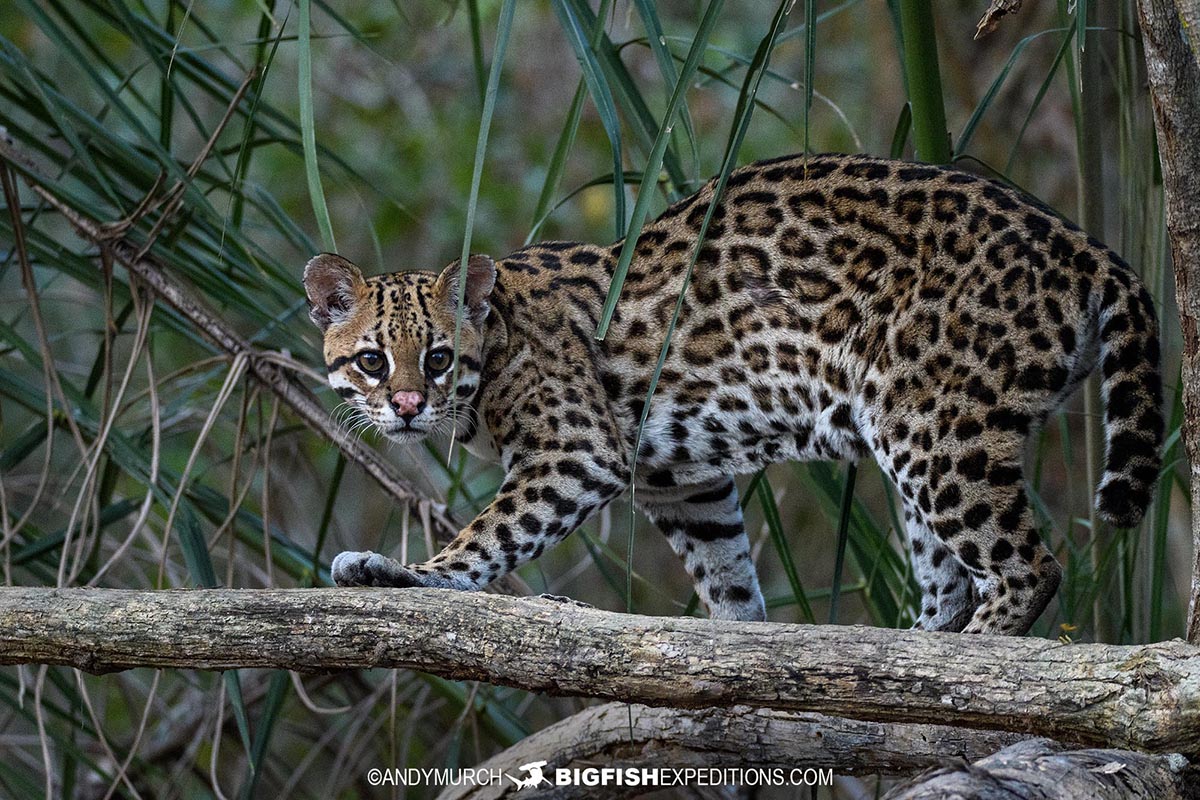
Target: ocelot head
x=389, y=341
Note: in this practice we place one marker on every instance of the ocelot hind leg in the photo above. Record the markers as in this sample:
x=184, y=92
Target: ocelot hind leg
x=1018, y=575
x=962, y=479
x=947, y=590
x=704, y=526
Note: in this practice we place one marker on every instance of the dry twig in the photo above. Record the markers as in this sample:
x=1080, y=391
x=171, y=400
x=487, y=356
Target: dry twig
x=995, y=11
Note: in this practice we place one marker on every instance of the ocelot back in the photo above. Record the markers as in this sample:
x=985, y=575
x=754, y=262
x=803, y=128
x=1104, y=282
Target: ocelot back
x=841, y=306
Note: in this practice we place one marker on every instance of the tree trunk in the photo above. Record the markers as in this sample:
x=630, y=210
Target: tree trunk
x=1173, y=67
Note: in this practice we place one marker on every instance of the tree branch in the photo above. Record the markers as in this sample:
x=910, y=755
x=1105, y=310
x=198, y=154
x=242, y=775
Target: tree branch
x=1143, y=698
x=1040, y=770
x=1174, y=71
x=641, y=736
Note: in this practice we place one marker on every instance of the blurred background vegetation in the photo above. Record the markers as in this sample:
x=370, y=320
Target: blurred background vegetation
x=137, y=455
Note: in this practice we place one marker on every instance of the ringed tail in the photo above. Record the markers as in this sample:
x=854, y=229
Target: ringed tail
x=1131, y=388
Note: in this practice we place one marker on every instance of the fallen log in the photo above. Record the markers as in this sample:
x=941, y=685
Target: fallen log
x=744, y=738
x=1135, y=697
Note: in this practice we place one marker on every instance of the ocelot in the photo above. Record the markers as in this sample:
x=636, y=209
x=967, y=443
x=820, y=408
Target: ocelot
x=840, y=306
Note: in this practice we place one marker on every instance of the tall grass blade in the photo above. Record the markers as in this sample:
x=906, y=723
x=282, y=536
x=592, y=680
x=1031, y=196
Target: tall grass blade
x=741, y=123
x=503, y=30
x=657, y=40
x=718, y=76
x=195, y=549
x=477, y=48
x=900, y=135
x=886, y=572
x=810, y=60
x=558, y=161
x=233, y=687
x=308, y=133
x=760, y=487
x=1081, y=18
x=630, y=178
x=601, y=94
x=964, y=139
x=1063, y=48
x=195, y=552
x=263, y=59
x=276, y=694
x=654, y=165
x=167, y=95
x=843, y=535
x=637, y=113
x=1161, y=519
x=335, y=483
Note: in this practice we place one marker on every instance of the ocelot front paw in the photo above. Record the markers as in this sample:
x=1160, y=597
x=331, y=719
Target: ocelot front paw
x=372, y=569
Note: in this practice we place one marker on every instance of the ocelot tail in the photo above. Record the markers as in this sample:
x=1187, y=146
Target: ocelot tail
x=841, y=306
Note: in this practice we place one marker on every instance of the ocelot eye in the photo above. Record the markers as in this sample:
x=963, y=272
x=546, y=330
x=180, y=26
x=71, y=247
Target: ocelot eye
x=372, y=362
x=438, y=361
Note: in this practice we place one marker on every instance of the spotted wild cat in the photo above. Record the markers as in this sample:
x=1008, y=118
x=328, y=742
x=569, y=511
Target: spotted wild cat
x=841, y=306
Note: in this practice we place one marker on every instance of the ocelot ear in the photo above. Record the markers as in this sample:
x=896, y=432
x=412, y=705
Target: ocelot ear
x=481, y=278
x=332, y=284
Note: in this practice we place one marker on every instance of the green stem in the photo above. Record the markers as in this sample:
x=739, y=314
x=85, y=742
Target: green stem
x=924, y=81
x=1091, y=122
x=843, y=536
x=308, y=135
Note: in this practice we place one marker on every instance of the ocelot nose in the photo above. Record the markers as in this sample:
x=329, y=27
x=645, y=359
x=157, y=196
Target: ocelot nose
x=408, y=404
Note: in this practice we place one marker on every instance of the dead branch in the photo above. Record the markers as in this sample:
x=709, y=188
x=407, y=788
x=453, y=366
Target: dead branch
x=1143, y=698
x=640, y=736
x=1041, y=770
x=996, y=10
x=1174, y=71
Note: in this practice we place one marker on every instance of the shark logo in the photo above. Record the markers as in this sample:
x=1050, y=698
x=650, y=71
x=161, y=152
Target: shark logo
x=535, y=777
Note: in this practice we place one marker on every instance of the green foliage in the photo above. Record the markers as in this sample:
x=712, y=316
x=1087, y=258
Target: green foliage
x=134, y=454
